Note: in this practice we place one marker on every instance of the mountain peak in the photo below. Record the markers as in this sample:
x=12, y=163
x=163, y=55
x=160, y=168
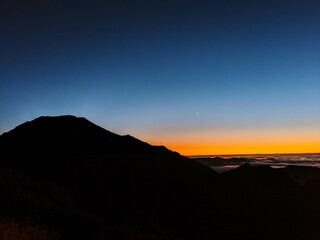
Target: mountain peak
x=62, y=119
x=61, y=116
x=57, y=118
x=51, y=126
x=69, y=135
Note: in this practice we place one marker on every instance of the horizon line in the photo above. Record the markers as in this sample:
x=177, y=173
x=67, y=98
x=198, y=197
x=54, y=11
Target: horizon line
x=244, y=154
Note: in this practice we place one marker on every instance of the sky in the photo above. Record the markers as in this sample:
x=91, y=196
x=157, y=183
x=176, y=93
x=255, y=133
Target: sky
x=200, y=77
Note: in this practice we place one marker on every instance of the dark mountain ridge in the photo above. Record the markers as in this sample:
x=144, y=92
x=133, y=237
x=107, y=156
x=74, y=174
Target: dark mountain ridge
x=75, y=177
x=101, y=182
x=69, y=135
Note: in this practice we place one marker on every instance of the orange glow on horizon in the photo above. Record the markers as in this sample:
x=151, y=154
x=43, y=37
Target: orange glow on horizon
x=240, y=141
x=248, y=149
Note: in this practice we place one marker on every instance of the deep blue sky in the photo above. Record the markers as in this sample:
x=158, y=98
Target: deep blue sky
x=154, y=67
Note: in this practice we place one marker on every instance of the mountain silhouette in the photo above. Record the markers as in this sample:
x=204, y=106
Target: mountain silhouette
x=84, y=182
x=103, y=183
x=70, y=135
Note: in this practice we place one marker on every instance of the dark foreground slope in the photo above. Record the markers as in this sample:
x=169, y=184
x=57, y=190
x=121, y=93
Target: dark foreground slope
x=88, y=183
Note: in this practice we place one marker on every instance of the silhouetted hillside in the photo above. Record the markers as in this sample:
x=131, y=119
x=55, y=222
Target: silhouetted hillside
x=302, y=174
x=102, y=183
x=85, y=182
x=70, y=135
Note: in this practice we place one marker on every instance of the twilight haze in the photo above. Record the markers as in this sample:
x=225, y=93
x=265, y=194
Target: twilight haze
x=200, y=77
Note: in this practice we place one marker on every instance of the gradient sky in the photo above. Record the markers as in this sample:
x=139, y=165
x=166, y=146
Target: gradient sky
x=200, y=77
